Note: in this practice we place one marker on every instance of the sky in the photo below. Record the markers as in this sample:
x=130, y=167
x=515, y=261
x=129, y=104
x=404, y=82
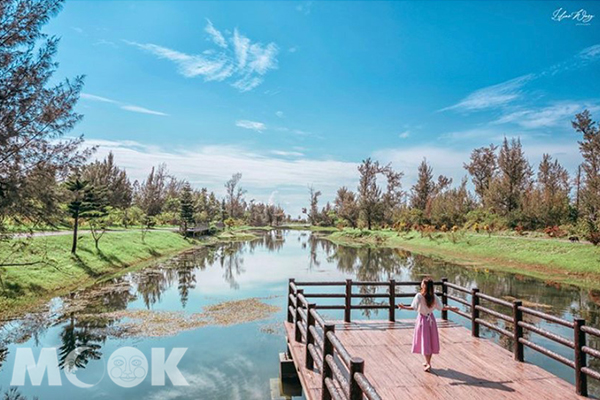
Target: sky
x=295, y=94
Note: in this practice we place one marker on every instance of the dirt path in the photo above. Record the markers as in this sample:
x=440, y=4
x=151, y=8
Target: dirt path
x=62, y=233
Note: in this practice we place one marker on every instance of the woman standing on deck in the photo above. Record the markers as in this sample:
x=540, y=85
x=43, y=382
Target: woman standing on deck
x=426, y=340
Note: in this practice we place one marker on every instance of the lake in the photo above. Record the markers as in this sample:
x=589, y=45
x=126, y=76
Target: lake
x=240, y=361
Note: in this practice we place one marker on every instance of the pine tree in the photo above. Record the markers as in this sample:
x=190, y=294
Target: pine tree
x=36, y=111
x=186, y=207
x=423, y=190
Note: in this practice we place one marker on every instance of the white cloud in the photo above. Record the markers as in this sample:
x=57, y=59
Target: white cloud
x=244, y=66
x=287, y=153
x=493, y=96
x=543, y=117
x=505, y=93
x=404, y=135
x=93, y=97
x=252, y=125
x=305, y=7
x=122, y=106
x=142, y=110
x=279, y=114
x=216, y=36
x=293, y=49
x=211, y=166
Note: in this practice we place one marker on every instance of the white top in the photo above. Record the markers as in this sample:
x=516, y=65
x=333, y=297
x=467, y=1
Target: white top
x=420, y=304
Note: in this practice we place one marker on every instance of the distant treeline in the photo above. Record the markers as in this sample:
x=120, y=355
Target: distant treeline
x=508, y=193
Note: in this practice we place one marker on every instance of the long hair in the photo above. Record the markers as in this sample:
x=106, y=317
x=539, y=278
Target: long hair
x=427, y=291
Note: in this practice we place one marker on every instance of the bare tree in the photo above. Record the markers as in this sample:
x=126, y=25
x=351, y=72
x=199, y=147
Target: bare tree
x=235, y=196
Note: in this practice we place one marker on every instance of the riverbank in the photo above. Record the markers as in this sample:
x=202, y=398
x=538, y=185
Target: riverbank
x=550, y=260
x=47, y=269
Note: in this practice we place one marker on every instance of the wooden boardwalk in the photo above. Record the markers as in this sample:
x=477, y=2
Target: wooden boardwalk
x=467, y=368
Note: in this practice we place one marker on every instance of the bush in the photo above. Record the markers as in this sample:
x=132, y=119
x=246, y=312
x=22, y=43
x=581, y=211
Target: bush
x=554, y=231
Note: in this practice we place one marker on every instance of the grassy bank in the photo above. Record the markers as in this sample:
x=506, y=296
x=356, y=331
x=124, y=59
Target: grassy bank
x=549, y=260
x=49, y=269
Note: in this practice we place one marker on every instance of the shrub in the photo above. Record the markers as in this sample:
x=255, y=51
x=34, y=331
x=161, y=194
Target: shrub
x=554, y=231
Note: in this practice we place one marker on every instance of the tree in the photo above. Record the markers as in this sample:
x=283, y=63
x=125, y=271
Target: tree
x=369, y=200
x=235, y=195
x=151, y=195
x=424, y=189
x=313, y=215
x=186, y=207
x=107, y=174
x=97, y=213
x=86, y=201
x=483, y=168
x=514, y=179
x=590, y=151
x=346, y=206
x=553, y=188
x=34, y=114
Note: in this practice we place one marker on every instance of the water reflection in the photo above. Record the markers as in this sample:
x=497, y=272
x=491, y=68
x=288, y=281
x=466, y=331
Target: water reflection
x=260, y=268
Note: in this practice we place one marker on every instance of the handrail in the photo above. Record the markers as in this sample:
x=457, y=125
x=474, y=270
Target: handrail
x=547, y=317
x=322, y=344
x=494, y=300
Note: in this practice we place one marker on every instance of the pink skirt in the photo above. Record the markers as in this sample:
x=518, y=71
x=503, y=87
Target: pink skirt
x=426, y=340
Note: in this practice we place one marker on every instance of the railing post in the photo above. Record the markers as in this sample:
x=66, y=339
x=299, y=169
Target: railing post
x=392, y=300
x=474, y=312
x=357, y=364
x=444, y=297
x=580, y=357
x=310, y=321
x=518, y=330
x=327, y=351
x=348, y=306
x=298, y=334
x=290, y=317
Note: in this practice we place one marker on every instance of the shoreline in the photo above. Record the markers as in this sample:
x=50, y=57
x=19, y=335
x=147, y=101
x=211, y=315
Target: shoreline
x=555, y=262
x=29, y=287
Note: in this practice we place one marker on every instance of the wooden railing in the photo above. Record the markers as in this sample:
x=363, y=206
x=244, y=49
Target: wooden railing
x=515, y=319
x=346, y=380
x=342, y=374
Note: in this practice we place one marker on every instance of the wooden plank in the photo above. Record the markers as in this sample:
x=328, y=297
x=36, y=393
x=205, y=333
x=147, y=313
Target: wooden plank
x=467, y=367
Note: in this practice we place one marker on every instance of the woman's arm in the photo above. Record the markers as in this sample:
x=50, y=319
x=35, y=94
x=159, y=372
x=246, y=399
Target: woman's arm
x=405, y=307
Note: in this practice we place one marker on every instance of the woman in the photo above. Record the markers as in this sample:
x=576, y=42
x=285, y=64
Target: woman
x=426, y=340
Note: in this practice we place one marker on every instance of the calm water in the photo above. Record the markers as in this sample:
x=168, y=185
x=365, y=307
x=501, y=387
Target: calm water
x=241, y=361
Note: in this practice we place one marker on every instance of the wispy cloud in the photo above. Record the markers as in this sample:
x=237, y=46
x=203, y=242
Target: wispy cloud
x=211, y=166
x=508, y=92
x=305, y=7
x=142, y=110
x=244, y=64
x=493, y=96
x=122, y=106
x=543, y=117
x=216, y=36
x=404, y=135
x=252, y=125
x=279, y=114
x=287, y=153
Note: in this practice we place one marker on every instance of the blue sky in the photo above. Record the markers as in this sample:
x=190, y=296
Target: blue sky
x=294, y=94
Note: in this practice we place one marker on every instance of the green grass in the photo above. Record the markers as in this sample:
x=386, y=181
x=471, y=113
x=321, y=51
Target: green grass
x=55, y=271
x=550, y=260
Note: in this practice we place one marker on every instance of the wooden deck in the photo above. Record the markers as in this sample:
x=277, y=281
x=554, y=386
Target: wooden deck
x=467, y=368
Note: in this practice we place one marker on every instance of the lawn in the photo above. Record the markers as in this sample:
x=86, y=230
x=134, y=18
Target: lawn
x=547, y=259
x=49, y=269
